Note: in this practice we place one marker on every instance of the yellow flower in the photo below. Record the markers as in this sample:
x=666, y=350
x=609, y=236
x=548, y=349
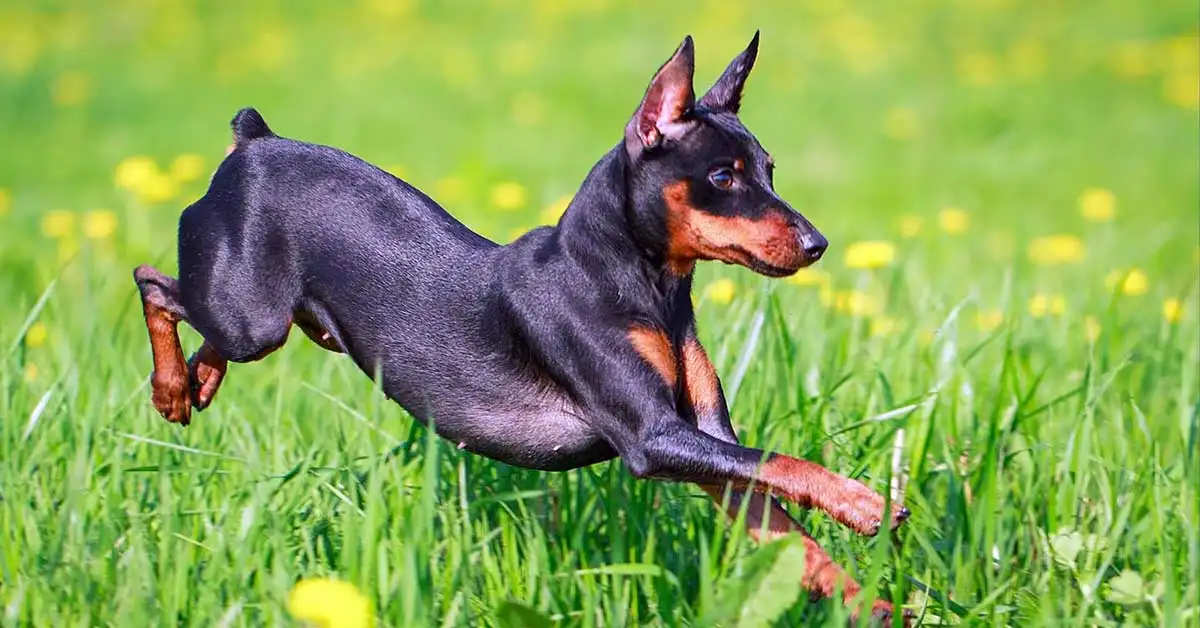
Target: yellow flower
x=870, y=254
x=36, y=335
x=1130, y=60
x=910, y=226
x=159, y=188
x=1091, y=328
x=989, y=320
x=450, y=190
x=953, y=220
x=187, y=167
x=1132, y=282
x=133, y=172
x=856, y=303
x=31, y=372
x=554, y=211
x=1182, y=89
x=508, y=196
x=1098, y=204
x=71, y=89
x=330, y=604
x=1052, y=250
x=1041, y=305
x=99, y=224
x=5, y=202
x=1172, y=310
x=901, y=123
x=58, y=223
x=883, y=326
x=721, y=291
x=809, y=277
x=978, y=69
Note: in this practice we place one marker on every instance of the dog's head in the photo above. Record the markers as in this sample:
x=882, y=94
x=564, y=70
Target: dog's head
x=702, y=183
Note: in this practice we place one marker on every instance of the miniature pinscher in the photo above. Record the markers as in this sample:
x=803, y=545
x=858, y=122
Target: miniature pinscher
x=572, y=345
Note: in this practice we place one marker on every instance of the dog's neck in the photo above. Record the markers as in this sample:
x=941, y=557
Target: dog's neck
x=599, y=230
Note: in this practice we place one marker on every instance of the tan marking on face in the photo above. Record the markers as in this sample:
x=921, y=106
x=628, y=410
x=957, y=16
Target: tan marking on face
x=700, y=378
x=655, y=349
x=696, y=235
x=739, y=165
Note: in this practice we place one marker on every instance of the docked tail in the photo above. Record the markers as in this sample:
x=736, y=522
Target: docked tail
x=248, y=125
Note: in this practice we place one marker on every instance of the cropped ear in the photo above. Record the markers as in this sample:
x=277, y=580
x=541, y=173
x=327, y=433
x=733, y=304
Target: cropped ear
x=667, y=104
x=726, y=93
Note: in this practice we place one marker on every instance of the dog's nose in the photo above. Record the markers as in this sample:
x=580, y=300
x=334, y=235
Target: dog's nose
x=814, y=245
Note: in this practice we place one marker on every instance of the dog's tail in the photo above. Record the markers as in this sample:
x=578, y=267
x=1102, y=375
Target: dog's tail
x=249, y=125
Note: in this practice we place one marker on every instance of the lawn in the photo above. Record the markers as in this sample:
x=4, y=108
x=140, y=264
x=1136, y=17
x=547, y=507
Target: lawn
x=1004, y=330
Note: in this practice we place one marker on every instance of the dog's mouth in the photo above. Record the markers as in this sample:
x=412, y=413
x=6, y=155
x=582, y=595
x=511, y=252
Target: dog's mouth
x=741, y=257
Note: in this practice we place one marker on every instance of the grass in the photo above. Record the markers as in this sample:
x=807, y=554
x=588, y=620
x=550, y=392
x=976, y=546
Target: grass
x=1032, y=397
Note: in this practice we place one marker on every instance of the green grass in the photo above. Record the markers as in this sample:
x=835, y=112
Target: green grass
x=1046, y=459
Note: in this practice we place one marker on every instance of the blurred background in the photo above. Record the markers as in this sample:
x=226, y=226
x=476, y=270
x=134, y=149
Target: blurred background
x=875, y=111
x=980, y=167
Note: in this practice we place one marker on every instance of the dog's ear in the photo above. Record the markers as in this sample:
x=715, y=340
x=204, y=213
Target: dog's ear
x=667, y=105
x=726, y=93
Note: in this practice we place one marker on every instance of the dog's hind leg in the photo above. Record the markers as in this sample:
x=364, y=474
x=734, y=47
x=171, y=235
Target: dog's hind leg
x=164, y=310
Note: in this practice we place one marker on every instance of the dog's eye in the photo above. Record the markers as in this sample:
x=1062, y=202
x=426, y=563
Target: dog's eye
x=722, y=178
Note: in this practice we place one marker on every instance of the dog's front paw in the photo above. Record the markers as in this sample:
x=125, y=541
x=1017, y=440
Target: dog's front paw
x=171, y=397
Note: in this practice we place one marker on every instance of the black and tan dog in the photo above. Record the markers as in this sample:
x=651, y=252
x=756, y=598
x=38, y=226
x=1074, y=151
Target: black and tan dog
x=574, y=344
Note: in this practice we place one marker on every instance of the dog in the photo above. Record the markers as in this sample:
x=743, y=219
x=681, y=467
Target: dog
x=570, y=346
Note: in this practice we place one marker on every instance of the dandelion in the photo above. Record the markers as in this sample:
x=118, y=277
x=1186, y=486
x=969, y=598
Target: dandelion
x=721, y=291
x=1053, y=250
x=900, y=123
x=870, y=254
x=5, y=202
x=1091, y=328
x=1098, y=204
x=134, y=171
x=1041, y=305
x=1132, y=282
x=979, y=69
x=71, y=89
x=809, y=277
x=1130, y=60
x=554, y=211
x=953, y=220
x=187, y=167
x=330, y=603
x=508, y=196
x=856, y=303
x=1182, y=89
x=99, y=224
x=31, y=372
x=58, y=223
x=450, y=190
x=1172, y=310
x=159, y=188
x=989, y=320
x=883, y=326
x=36, y=335
x=910, y=226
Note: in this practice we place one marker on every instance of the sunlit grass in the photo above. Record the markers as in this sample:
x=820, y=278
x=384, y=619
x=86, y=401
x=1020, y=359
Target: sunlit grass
x=1004, y=331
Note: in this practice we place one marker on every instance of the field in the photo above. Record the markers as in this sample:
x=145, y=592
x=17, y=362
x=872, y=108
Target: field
x=1004, y=330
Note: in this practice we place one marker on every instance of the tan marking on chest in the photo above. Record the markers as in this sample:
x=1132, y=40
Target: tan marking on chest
x=655, y=348
x=700, y=378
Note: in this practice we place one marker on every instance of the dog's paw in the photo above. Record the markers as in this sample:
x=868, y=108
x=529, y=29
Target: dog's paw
x=171, y=398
